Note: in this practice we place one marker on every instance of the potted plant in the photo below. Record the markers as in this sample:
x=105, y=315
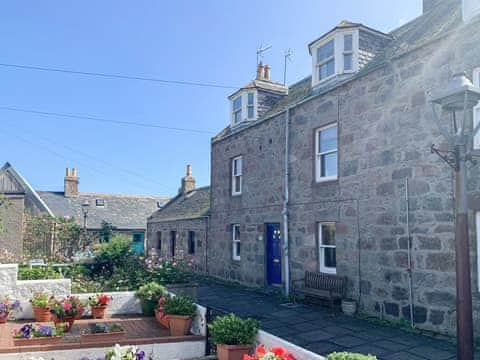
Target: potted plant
x=65, y=311
x=350, y=356
x=276, y=353
x=103, y=332
x=233, y=335
x=38, y=334
x=40, y=303
x=149, y=295
x=349, y=306
x=98, y=304
x=6, y=307
x=180, y=311
x=162, y=319
x=79, y=305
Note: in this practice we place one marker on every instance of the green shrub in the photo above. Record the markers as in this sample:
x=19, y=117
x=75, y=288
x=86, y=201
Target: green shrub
x=38, y=273
x=150, y=292
x=350, y=356
x=40, y=299
x=233, y=330
x=180, y=305
x=116, y=254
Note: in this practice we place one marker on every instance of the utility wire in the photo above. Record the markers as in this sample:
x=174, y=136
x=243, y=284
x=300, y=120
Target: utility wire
x=85, y=165
x=117, y=76
x=99, y=119
x=98, y=159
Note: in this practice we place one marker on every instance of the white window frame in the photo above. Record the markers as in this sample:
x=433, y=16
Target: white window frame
x=347, y=52
x=318, y=155
x=338, y=38
x=238, y=174
x=236, y=256
x=321, y=253
x=319, y=64
x=244, y=108
x=476, y=109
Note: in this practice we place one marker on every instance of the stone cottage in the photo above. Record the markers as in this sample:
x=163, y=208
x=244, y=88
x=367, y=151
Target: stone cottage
x=127, y=213
x=180, y=228
x=314, y=177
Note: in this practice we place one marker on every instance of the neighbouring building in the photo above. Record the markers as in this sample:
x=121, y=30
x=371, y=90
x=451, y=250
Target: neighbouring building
x=180, y=228
x=329, y=158
x=126, y=213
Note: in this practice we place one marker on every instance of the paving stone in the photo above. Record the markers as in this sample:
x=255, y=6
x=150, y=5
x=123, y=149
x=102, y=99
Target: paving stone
x=391, y=346
x=337, y=330
x=431, y=353
x=348, y=341
x=369, y=349
x=323, y=347
x=316, y=335
x=403, y=355
x=292, y=320
x=307, y=326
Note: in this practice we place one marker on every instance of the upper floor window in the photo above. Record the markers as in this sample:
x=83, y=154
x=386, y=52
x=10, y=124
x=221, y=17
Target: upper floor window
x=237, y=175
x=476, y=110
x=244, y=107
x=337, y=54
x=327, y=248
x=326, y=153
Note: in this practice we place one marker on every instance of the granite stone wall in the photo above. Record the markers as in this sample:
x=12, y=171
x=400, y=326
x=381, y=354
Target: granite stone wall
x=11, y=215
x=385, y=130
x=182, y=229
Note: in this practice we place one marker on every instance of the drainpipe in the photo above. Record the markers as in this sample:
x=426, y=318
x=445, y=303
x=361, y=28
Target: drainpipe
x=285, y=205
x=409, y=254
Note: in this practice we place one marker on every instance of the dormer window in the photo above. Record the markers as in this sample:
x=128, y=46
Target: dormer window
x=244, y=107
x=334, y=55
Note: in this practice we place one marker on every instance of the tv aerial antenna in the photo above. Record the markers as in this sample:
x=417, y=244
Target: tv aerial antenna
x=260, y=50
x=287, y=57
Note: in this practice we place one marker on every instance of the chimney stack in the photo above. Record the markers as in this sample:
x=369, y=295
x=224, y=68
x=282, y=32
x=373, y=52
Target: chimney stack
x=188, y=181
x=71, y=183
x=260, y=71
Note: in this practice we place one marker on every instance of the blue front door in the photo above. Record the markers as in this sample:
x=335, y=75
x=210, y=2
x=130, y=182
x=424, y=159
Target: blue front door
x=137, y=242
x=274, y=254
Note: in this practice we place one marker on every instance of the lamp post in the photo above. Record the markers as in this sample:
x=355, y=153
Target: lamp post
x=459, y=96
x=85, y=206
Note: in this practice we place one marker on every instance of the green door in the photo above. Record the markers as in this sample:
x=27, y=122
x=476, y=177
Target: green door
x=137, y=242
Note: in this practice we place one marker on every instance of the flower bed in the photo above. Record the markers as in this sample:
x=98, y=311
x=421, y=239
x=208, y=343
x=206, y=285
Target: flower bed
x=103, y=332
x=37, y=334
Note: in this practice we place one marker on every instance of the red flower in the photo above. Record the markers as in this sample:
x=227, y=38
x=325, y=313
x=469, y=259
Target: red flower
x=261, y=350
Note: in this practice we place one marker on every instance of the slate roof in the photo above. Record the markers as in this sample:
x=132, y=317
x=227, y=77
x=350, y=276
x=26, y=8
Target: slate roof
x=123, y=211
x=439, y=21
x=191, y=205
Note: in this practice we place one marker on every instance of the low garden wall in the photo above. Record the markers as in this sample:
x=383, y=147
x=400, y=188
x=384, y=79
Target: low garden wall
x=269, y=341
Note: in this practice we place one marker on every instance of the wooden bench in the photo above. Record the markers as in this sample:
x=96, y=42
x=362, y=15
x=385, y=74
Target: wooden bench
x=323, y=286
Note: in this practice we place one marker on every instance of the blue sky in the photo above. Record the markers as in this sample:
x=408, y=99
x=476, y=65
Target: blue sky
x=202, y=41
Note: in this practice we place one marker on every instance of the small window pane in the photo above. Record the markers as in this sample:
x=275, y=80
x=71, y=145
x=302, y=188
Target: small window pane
x=326, y=69
x=237, y=103
x=328, y=139
x=325, y=51
x=347, y=43
x=238, y=116
x=237, y=249
x=329, y=165
x=347, y=62
x=250, y=112
x=237, y=184
x=330, y=257
x=250, y=98
x=328, y=234
x=236, y=232
x=159, y=240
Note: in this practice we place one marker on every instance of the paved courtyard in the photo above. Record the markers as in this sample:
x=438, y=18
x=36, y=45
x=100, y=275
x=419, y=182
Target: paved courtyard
x=315, y=328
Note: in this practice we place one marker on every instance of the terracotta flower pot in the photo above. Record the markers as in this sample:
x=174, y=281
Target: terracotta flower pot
x=42, y=314
x=98, y=312
x=148, y=307
x=179, y=325
x=162, y=319
x=65, y=319
x=3, y=317
x=232, y=352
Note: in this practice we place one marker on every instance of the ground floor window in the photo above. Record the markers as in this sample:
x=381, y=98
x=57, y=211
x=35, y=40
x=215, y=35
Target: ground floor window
x=173, y=240
x=327, y=248
x=236, y=242
x=159, y=240
x=191, y=242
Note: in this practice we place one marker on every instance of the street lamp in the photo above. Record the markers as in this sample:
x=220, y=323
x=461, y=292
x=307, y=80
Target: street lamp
x=85, y=206
x=459, y=96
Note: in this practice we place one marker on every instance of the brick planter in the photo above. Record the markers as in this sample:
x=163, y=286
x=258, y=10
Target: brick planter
x=37, y=341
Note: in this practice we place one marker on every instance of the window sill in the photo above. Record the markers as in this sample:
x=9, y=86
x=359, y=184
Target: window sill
x=326, y=181
x=328, y=271
x=236, y=194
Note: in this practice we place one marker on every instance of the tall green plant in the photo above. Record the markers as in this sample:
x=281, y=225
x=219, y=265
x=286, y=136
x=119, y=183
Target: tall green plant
x=233, y=330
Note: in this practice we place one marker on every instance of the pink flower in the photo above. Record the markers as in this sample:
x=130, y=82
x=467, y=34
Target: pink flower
x=67, y=306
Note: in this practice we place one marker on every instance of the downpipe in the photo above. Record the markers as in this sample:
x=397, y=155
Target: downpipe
x=286, y=249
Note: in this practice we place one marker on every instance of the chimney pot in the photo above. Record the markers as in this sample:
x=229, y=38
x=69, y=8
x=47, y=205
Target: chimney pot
x=188, y=181
x=260, y=71
x=189, y=170
x=266, y=72
x=71, y=183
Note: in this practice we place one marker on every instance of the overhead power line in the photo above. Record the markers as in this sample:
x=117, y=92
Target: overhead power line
x=117, y=76
x=99, y=119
